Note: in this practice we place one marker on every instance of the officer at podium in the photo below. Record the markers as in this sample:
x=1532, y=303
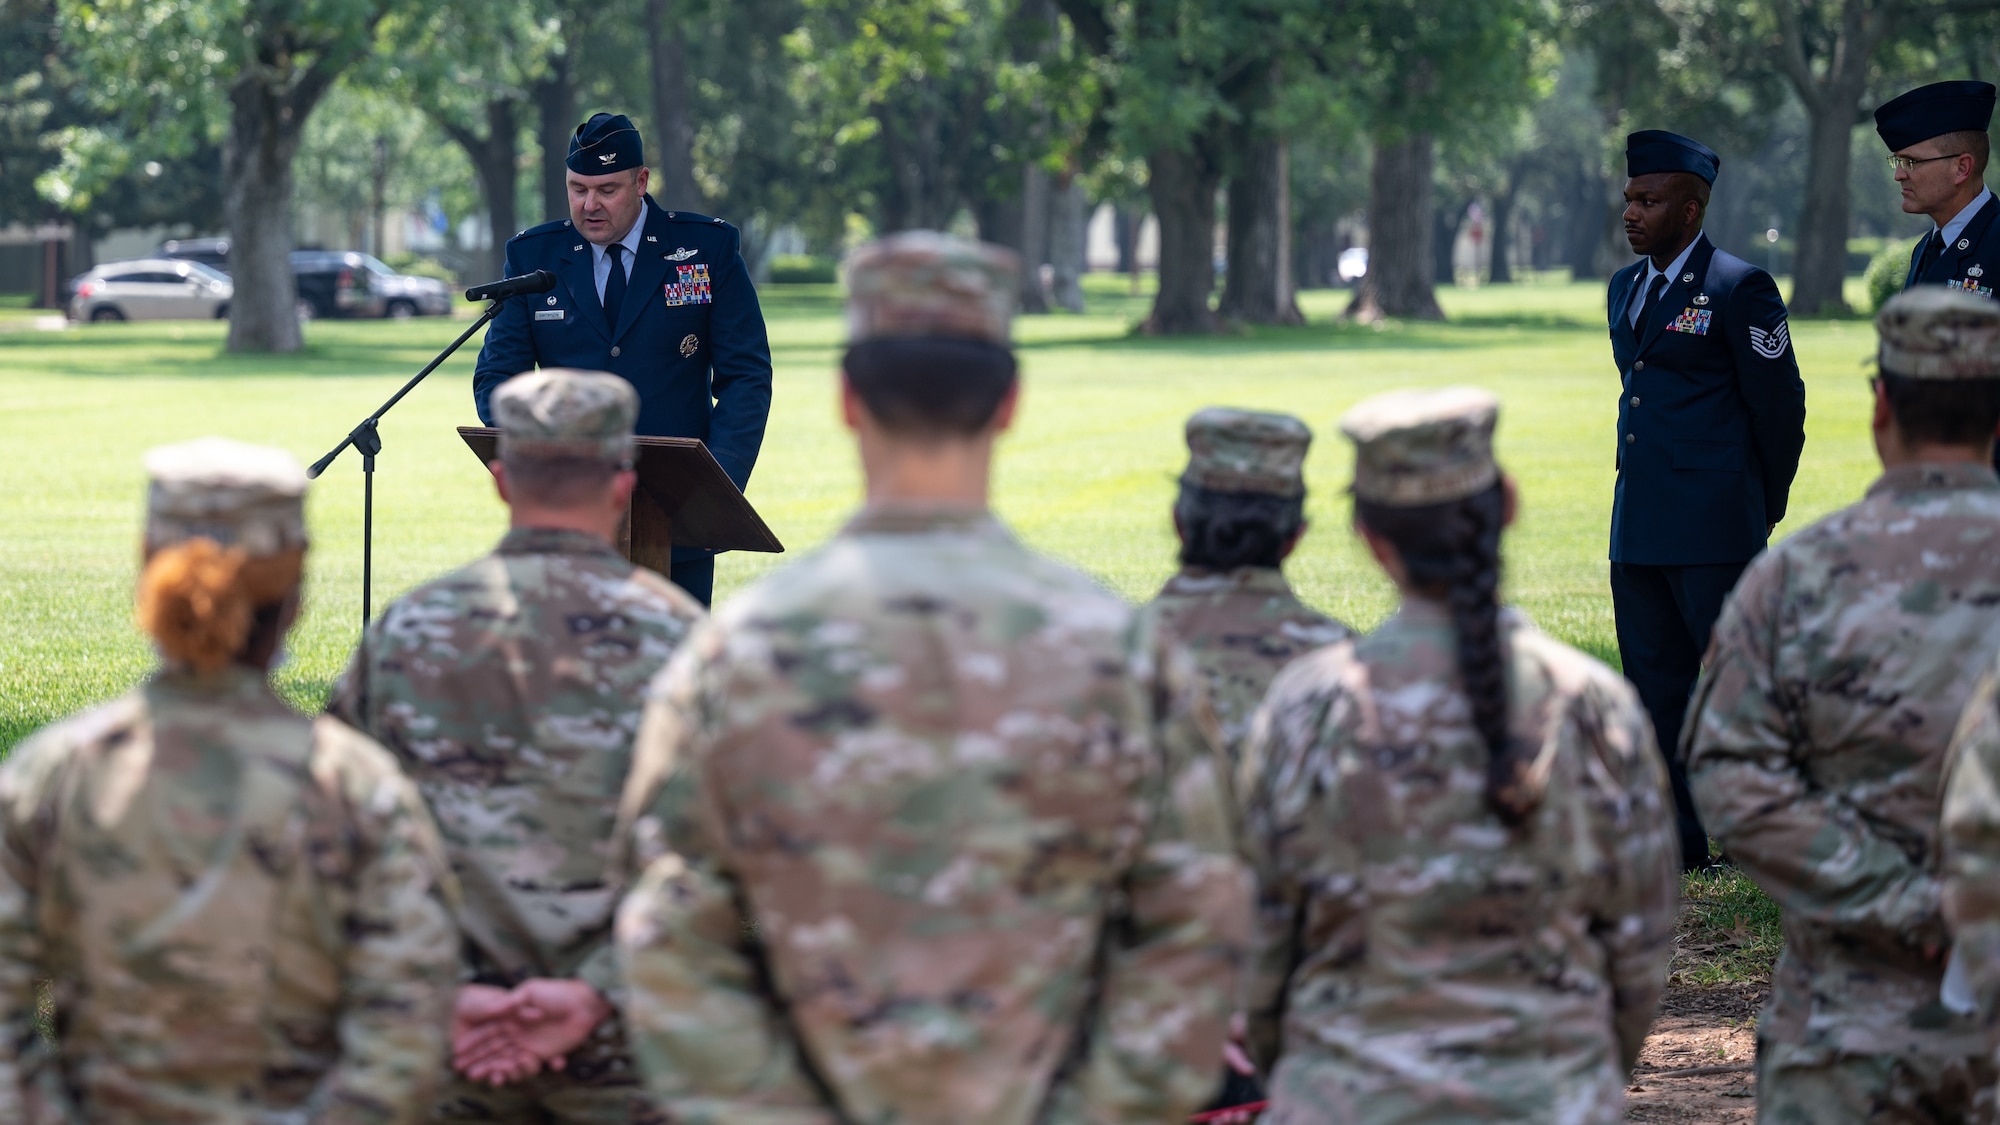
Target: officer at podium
x=658, y=297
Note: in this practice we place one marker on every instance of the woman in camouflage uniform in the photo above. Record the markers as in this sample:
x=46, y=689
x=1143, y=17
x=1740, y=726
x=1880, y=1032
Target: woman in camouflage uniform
x=240, y=910
x=1463, y=836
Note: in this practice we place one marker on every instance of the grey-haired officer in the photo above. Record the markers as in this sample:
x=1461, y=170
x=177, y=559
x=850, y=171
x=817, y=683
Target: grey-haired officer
x=1711, y=419
x=1938, y=146
x=660, y=298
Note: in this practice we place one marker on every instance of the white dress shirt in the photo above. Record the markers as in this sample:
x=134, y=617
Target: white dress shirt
x=1963, y=219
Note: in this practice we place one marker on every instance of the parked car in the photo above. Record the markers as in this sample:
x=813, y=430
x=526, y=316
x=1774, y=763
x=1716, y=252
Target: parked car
x=346, y=283
x=336, y=282
x=151, y=289
x=210, y=252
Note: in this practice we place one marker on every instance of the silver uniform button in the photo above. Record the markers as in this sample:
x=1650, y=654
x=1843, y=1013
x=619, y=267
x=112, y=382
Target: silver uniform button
x=1639, y=366
x=1635, y=400
x=1630, y=438
x=614, y=351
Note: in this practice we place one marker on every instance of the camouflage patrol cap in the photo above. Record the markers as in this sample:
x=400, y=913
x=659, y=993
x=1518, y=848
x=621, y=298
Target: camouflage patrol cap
x=1418, y=447
x=250, y=497
x=1935, y=332
x=560, y=412
x=922, y=284
x=1246, y=451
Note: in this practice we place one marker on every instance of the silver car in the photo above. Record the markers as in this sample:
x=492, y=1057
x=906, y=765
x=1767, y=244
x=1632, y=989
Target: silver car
x=152, y=289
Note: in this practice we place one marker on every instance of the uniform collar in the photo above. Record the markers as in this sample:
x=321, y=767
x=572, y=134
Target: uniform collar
x=234, y=681
x=1963, y=219
x=1925, y=477
x=1243, y=579
x=1674, y=267
x=552, y=541
x=894, y=517
x=631, y=240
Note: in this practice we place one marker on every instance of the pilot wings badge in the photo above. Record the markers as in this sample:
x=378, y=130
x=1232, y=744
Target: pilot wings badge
x=681, y=255
x=1771, y=344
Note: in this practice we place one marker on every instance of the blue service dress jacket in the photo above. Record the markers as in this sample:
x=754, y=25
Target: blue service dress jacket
x=1971, y=262
x=690, y=334
x=1711, y=418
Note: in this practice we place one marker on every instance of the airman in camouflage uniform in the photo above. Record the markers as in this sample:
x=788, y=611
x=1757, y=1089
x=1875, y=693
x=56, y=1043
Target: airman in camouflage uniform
x=1240, y=622
x=1463, y=835
x=1817, y=739
x=919, y=761
x=242, y=911
x=511, y=691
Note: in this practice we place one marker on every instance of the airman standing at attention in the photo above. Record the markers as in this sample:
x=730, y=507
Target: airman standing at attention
x=242, y=911
x=1817, y=740
x=916, y=860
x=1463, y=836
x=511, y=690
x=1240, y=512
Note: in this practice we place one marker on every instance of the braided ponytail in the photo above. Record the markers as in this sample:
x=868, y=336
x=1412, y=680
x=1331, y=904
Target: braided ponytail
x=1454, y=549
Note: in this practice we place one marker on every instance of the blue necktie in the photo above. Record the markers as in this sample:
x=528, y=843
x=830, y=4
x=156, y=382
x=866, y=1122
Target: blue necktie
x=1646, y=310
x=1933, y=250
x=614, y=286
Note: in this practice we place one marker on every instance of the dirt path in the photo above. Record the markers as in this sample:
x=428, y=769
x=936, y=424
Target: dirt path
x=1713, y=1029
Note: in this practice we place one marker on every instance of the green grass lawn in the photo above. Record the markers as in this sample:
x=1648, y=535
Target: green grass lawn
x=1087, y=475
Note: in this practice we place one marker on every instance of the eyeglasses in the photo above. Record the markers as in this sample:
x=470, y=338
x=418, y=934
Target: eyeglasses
x=1905, y=163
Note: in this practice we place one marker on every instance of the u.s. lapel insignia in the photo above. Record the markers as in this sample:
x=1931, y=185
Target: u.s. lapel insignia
x=552, y=298
x=681, y=255
x=1701, y=298
x=1965, y=244
x=689, y=345
x=1687, y=277
x=652, y=238
x=575, y=248
x=1976, y=271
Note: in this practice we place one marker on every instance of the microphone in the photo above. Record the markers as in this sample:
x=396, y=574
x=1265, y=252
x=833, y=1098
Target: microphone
x=541, y=281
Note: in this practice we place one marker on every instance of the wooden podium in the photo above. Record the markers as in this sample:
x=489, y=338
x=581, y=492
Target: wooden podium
x=683, y=498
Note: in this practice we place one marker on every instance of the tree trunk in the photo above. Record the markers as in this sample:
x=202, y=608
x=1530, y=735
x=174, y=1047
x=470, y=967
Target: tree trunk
x=555, y=122
x=1257, y=286
x=1125, y=235
x=673, y=123
x=1450, y=219
x=1399, y=281
x=1069, y=234
x=1183, y=189
x=1035, y=200
x=1820, y=269
x=495, y=158
x=1587, y=206
x=264, y=135
x=1500, y=270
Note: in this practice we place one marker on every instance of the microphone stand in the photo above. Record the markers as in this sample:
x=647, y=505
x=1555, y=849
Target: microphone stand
x=367, y=439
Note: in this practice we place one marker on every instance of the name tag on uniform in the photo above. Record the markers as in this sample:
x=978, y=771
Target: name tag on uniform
x=1694, y=322
x=548, y=314
x=692, y=288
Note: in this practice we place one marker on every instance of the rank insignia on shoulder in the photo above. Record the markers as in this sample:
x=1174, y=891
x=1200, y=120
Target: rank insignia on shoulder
x=1694, y=322
x=1701, y=298
x=682, y=254
x=689, y=345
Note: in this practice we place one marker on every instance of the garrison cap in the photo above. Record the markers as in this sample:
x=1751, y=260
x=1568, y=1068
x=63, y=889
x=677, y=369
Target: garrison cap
x=606, y=143
x=1417, y=447
x=560, y=412
x=1936, y=332
x=1246, y=451
x=1934, y=110
x=251, y=497
x=1656, y=150
x=921, y=284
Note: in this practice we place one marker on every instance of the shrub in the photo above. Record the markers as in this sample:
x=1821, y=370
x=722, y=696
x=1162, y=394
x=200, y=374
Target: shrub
x=415, y=266
x=802, y=269
x=1885, y=274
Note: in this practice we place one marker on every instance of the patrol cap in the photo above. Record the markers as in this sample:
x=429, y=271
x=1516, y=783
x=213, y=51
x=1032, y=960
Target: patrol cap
x=1656, y=150
x=1417, y=447
x=921, y=284
x=250, y=497
x=1246, y=451
x=606, y=143
x=1934, y=110
x=560, y=412
x=1936, y=332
